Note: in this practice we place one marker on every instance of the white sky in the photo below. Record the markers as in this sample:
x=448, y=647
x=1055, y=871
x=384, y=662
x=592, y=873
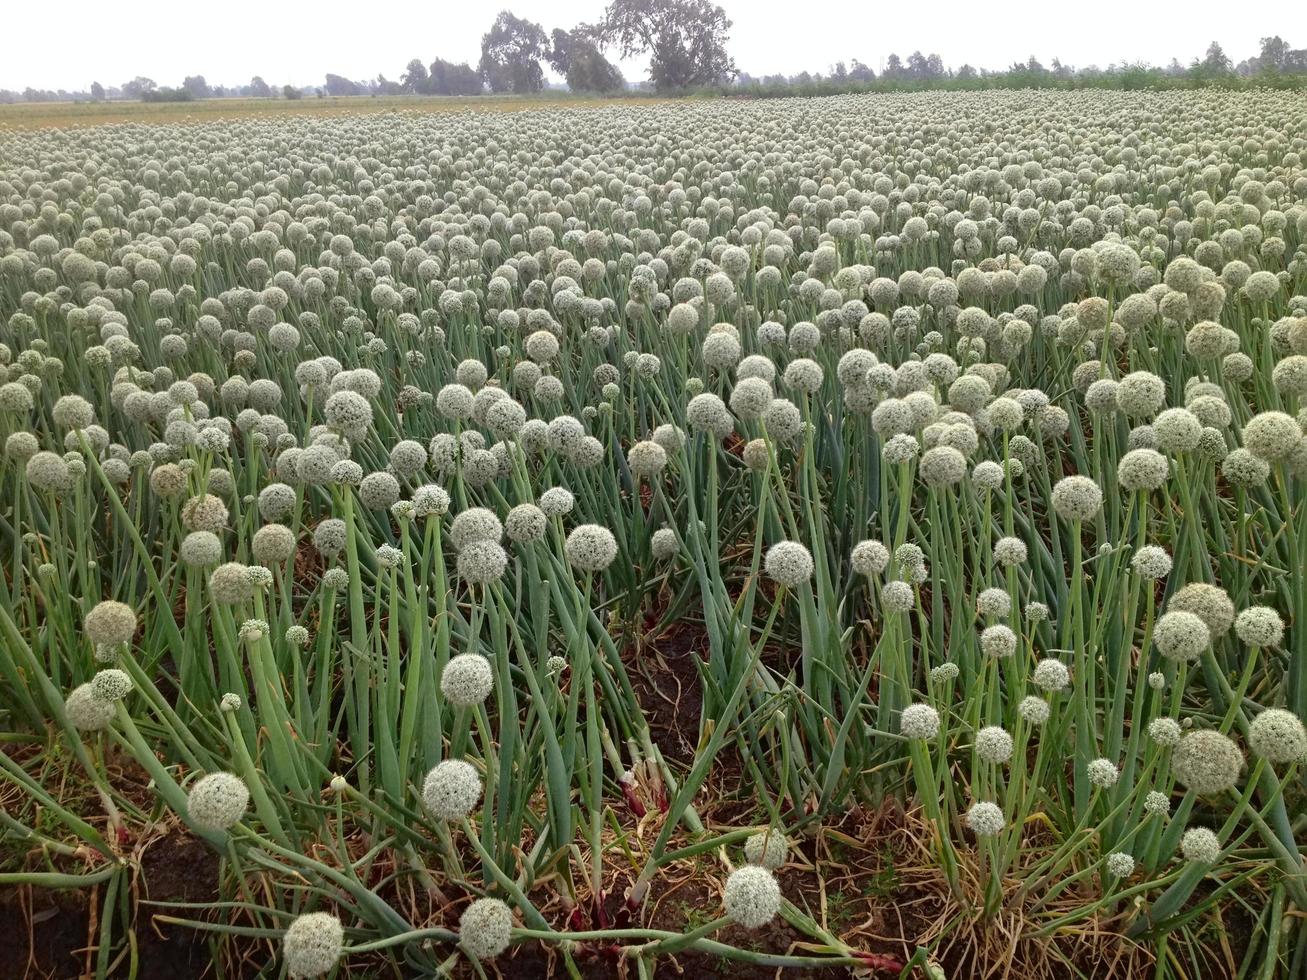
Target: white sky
x=74, y=42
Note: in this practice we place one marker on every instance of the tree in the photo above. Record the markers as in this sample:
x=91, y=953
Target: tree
x=511, y=52
x=415, y=77
x=197, y=86
x=291, y=92
x=1274, y=53
x=893, y=67
x=166, y=94
x=858, y=72
x=137, y=87
x=1215, y=61
x=259, y=88
x=685, y=40
x=924, y=68
x=575, y=56
x=966, y=74
x=97, y=91
x=339, y=85
x=448, y=78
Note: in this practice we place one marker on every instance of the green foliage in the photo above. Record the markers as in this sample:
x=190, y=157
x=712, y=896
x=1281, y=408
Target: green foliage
x=166, y=94
x=684, y=39
x=511, y=55
x=577, y=58
x=448, y=78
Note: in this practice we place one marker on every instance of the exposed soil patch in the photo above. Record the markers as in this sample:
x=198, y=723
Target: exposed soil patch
x=176, y=869
x=45, y=933
x=51, y=934
x=54, y=935
x=667, y=682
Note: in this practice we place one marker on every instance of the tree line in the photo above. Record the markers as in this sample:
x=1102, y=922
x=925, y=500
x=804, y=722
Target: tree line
x=1277, y=64
x=686, y=43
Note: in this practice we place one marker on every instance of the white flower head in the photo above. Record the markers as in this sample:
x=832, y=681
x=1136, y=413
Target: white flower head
x=752, y=896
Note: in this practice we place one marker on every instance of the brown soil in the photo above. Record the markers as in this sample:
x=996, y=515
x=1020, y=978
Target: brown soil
x=45, y=932
x=667, y=683
x=54, y=935
x=51, y=934
x=176, y=869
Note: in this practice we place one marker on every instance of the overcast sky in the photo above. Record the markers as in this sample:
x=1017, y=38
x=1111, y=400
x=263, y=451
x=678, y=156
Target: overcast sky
x=74, y=42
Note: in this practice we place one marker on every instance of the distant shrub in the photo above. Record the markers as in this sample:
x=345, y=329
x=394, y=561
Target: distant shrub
x=167, y=95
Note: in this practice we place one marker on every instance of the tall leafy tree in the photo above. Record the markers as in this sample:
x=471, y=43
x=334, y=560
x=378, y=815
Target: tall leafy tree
x=415, y=77
x=931, y=67
x=1215, y=61
x=448, y=78
x=197, y=86
x=685, y=40
x=259, y=88
x=858, y=72
x=511, y=53
x=575, y=56
x=138, y=86
x=340, y=85
x=1274, y=54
